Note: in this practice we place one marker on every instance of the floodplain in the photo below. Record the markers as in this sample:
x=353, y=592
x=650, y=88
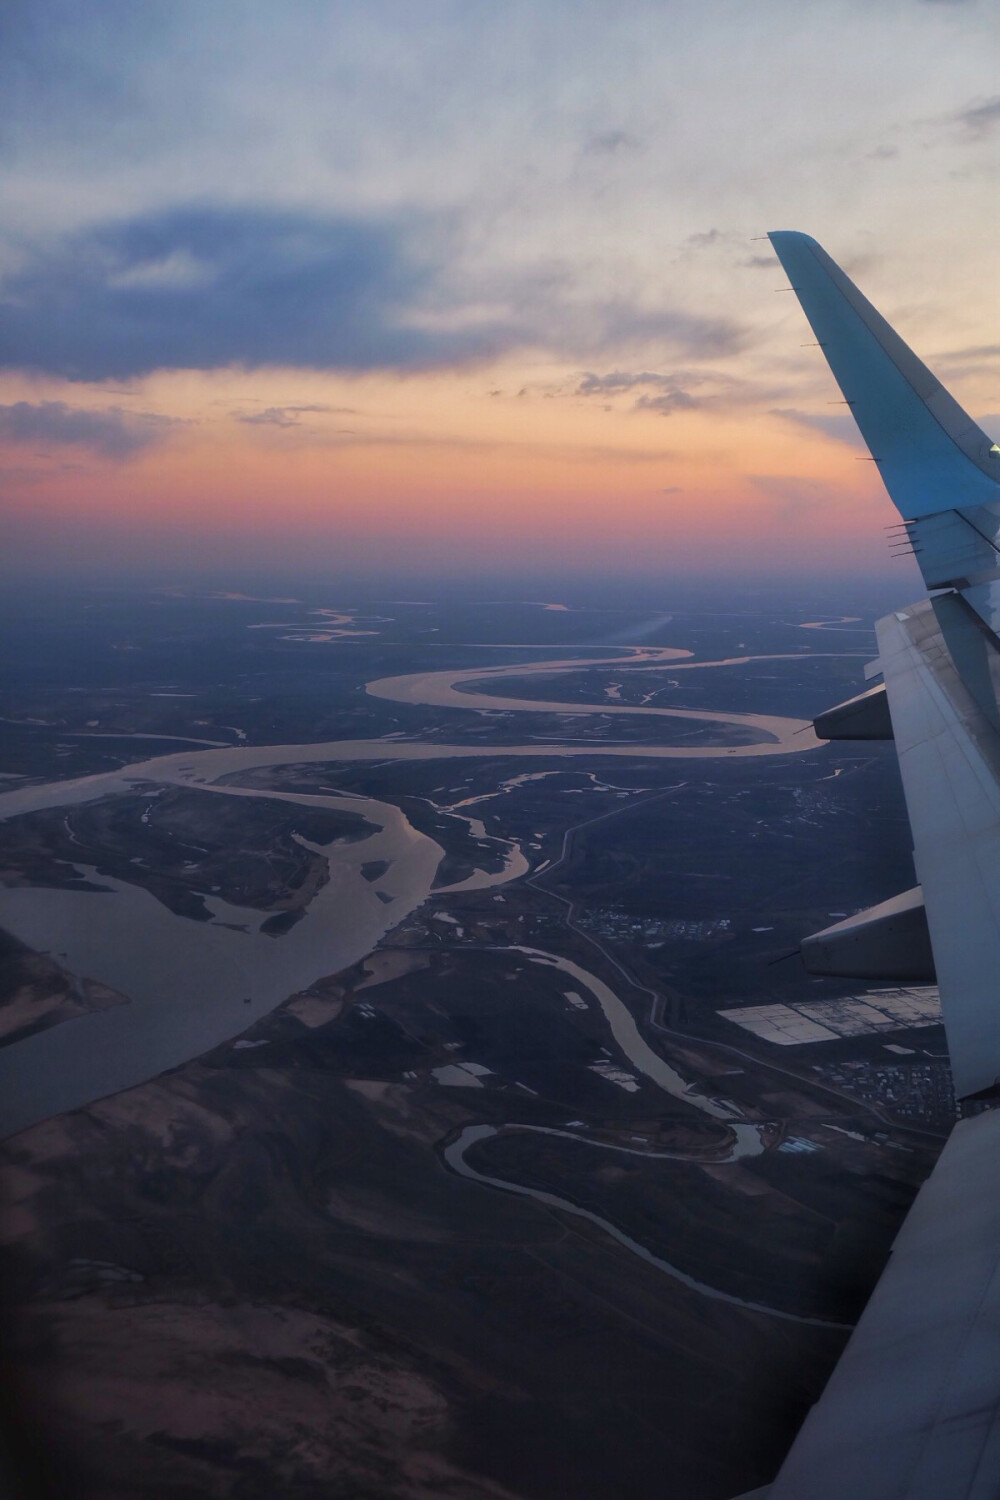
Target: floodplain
x=513, y=1200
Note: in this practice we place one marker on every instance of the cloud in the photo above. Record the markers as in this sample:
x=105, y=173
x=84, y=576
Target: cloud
x=790, y=495
x=16, y=475
x=573, y=327
x=979, y=120
x=610, y=142
x=974, y=351
x=203, y=288
x=200, y=288
x=669, y=393
x=972, y=360
x=668, y=403
x=840, y=427
x=112, y=433
x=281, y=416
x=619, y=380
x=673, y=395
x=706, y=238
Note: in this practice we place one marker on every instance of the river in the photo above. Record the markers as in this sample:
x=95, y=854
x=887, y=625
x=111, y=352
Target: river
x=454, y=1155
x=194, y=985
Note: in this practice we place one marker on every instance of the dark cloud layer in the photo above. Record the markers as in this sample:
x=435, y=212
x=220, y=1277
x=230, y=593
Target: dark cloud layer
x=202, y=288
x=112, y=433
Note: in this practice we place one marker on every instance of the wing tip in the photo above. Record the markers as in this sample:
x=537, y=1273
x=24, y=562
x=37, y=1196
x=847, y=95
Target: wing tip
x=792, y=237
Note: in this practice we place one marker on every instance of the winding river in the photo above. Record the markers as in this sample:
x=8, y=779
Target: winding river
x=745, y=1137
x=192, y=985
x=642, y=1057
x=458, y=689
x=454, y=1155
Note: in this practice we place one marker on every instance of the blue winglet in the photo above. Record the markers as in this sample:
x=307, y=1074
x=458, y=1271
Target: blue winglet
x=930, y=453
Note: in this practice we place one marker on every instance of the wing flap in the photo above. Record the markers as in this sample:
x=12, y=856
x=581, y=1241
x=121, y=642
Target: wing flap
x=949, y=757
x=912, y=1407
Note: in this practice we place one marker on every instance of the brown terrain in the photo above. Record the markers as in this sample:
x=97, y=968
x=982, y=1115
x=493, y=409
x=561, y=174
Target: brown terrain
x=36, y=992
x=253, y=1276
x=257, y=1275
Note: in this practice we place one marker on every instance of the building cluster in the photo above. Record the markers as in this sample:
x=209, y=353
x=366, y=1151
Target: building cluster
x=652, y=931
x=916, y=1093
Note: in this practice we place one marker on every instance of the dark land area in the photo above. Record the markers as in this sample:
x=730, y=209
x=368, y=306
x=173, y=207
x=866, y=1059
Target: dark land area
x=180, y=846
x=265, y=1272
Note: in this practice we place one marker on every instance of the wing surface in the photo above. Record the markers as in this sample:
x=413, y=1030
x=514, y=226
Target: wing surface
x=912, y=1411
x=930, y=453
x=940, y=659
x=941, y=669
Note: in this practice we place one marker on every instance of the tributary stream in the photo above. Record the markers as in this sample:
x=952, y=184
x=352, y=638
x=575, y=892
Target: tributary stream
x=194, y=985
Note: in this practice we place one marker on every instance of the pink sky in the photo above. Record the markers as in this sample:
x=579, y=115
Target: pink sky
x=482, y=292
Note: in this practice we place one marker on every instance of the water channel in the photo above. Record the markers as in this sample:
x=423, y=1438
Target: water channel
x=193, y=985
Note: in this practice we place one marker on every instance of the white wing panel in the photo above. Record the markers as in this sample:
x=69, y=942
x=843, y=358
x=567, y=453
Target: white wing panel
x=912, y=1412
x=912, y=1408
x=949, y=756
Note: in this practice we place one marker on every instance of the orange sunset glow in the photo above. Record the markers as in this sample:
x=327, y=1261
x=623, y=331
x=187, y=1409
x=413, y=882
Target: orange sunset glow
x=556, y=349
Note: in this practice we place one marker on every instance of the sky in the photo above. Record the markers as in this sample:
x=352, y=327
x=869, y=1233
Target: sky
x=447, y=287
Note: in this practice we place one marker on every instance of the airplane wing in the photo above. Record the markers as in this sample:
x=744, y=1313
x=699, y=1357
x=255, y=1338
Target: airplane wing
x=913, y=1408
